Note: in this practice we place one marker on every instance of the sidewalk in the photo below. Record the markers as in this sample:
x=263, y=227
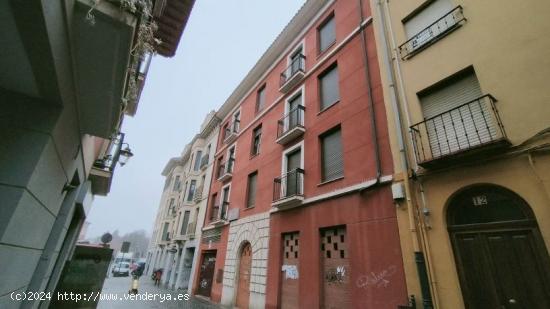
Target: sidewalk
x=165, y=299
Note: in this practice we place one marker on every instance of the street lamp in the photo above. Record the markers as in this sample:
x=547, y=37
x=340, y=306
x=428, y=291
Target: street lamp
x=125, y=154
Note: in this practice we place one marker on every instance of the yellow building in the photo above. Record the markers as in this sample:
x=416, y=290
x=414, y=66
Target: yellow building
x=467, y=88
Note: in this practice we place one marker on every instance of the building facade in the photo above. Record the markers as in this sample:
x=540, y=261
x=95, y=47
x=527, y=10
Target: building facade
x=301, y=212
x=64, y=91
x=178, y=225
x=466, y=84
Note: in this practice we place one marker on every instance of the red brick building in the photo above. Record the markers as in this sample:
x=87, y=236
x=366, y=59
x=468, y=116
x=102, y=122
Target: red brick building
x=301, y=214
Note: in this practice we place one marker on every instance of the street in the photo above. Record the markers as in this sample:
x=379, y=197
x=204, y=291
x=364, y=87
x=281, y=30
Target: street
x=115, y=293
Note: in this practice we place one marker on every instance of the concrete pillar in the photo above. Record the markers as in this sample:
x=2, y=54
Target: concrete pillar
x=179, y=279
x=174, y=271
x=167, y=266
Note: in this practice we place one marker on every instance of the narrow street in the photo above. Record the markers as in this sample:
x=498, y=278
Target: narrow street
x=115, y=290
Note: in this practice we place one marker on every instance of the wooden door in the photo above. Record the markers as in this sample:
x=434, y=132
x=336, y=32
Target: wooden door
x=206, y=275
x=502, y=269
x=290, y=276
x=500, y=256
x=243, y=286
x=335, y=270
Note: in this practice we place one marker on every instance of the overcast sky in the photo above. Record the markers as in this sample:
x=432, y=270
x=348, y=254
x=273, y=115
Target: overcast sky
x=221, y=43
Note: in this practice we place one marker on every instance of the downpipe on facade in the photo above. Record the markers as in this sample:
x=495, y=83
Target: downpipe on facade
x=419, y=238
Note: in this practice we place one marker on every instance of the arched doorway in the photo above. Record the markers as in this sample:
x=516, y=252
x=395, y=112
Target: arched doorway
x=243, y=285
x=501, y=259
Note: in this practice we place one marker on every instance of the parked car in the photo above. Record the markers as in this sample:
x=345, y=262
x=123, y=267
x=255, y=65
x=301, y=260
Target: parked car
x=121, y=269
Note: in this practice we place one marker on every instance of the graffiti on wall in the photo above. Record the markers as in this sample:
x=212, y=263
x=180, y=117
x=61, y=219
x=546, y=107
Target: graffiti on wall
x=335, y=275
x=379, y=279
x=291, y=271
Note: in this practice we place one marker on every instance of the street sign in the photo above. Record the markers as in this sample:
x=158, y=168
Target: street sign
x=125, y=247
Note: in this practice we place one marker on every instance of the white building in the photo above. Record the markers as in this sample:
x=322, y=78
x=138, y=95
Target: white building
x=180, y=217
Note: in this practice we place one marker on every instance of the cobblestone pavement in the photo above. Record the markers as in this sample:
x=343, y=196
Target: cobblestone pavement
x=118, y=288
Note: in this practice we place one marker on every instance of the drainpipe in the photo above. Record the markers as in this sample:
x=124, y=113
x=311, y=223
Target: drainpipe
x=374, y=133
x=418, y=240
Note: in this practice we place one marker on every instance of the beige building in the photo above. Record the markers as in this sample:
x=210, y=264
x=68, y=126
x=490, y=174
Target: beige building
x=466, y=89
x=178, y=225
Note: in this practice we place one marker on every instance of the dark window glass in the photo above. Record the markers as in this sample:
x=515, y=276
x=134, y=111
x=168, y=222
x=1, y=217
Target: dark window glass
x=192, y=187
x=256, y=137
x=197, y=161
x=328, y=82
x=260, y=99
x=177, y=184
x=185, y=222
x=327, y=34
x=331, y=155
x=251, y=191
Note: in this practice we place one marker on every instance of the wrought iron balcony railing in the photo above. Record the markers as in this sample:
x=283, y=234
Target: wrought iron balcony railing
x=289, y=185
x=432, y=33
x=219, y=212
x=232, y=130
x=191, y=228
x=226, y=169
x=204, y=161
x=297, y=65
x=198, y=194
x=294, y=119
x=472, y=125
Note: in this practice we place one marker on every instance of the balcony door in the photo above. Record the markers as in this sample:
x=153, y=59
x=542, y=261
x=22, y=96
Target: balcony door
x=294, y=115
x=293, y=162
x=295, y=62
x=225, y=203
x=457, y=118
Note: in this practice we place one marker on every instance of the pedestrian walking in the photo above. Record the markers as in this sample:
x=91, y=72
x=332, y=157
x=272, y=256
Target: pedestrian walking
x=158, y=275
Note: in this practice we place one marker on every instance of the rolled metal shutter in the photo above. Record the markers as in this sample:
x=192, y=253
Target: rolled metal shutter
x=332, y=158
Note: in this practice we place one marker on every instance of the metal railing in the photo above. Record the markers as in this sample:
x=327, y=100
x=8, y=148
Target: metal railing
x=298, y=64
x=198, y=193
x=470, y=125
x=432, y=33
x=289, y=185
x=191, y=228
x=204, y=161
x=294, y=118
x=226, y=167
x=232, y=129
x=219, y=213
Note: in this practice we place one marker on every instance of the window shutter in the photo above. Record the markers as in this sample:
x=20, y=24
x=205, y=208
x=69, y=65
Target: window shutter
x=426, y=17
x=327, y=34
x=252, y=179
x=329, y=88
x=457, y=128
x=332, y=158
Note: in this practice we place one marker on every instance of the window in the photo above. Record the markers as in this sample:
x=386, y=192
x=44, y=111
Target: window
x=185, y=222
x=185, y=188
x=256, y=137
x=177, y=184
x=251, y=190
x=327, y=34
x=225, y=130
x=426, y=16
x=165, y=232
x=214, y=211
x=197, y=161
x=260, y=99
x=236, y=122
x=329, y=91
x=230, y=160
x=192, y=187
x=171, y=205
x=332, y=161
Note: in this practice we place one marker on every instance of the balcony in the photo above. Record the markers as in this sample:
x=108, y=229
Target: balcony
x=225, y=170
x=293, y=74
x=288, y=190
x=191, y=227
x=218, y=215
x=204, y=162
x=198, y=194
x=291, y=126
x=230, y=133
x=433, y=33
x=459, y=134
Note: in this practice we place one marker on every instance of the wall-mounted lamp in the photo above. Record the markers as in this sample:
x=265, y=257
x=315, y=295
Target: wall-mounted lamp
x=125, y=154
